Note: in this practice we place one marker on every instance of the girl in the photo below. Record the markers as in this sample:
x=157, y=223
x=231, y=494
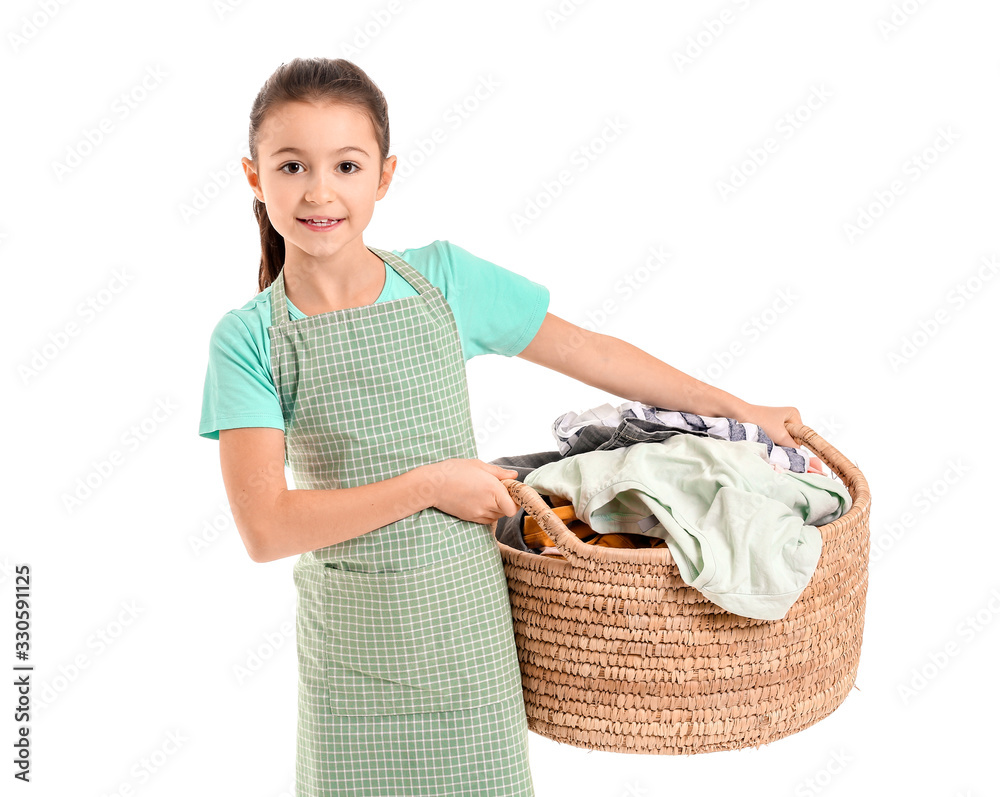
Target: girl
x=349, y=367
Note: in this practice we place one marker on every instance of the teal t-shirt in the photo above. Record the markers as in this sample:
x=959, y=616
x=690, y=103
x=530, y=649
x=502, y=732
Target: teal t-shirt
x=497, y=312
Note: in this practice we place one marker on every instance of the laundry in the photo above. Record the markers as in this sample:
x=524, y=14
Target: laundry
x=742, y=534
x=568, y=428
x=536, y=536
x=593, y=437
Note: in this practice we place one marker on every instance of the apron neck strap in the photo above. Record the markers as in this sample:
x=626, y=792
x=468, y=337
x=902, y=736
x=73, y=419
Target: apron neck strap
x=279, y=302
x=279, y=305
x=417, y=280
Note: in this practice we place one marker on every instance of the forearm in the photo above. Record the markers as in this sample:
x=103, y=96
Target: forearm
x=304, y=520
x=627, y=371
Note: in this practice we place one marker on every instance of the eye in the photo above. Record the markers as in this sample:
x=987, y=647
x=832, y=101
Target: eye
x=292, y=163
x=349, y=163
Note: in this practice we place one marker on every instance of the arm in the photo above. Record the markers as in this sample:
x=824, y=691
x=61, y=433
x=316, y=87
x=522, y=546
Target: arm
x=275, y=522
x=611, y=364
x=266, y=511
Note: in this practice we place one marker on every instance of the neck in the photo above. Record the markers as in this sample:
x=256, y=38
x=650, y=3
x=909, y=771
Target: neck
x=350, y=278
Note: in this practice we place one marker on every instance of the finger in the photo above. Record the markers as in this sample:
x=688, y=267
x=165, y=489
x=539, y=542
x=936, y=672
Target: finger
x=505, y=473
x=789, y=442
x=506, y=505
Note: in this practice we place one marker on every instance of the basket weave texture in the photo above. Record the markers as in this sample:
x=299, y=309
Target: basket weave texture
x=619, y=654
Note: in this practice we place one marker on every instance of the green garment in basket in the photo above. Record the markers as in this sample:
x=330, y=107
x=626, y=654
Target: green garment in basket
x=741, y=533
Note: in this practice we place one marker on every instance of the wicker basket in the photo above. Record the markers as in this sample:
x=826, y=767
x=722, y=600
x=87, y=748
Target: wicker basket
x=617, y=653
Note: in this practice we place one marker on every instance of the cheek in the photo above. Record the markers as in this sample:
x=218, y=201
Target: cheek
x=357, y=198
x=280, y=208
x=275, y=219
x=281, y=201
x=280, y=191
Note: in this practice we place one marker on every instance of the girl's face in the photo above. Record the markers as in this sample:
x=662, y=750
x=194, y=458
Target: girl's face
x=318, y=160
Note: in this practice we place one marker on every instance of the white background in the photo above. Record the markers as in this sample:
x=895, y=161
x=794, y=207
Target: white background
x=150, y=561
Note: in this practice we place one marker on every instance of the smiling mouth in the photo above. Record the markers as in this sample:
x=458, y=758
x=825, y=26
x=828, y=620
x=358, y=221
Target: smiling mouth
x=318, y=222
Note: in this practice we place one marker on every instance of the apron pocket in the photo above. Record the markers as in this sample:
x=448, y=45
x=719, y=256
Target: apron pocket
x=431, y=639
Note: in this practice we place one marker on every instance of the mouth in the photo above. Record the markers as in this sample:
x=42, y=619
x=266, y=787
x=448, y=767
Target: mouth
x=319, y=222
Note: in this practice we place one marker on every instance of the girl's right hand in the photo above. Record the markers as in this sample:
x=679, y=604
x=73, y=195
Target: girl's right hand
x=470, y=489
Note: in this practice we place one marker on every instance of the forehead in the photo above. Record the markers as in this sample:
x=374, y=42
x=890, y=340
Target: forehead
x=315, y=127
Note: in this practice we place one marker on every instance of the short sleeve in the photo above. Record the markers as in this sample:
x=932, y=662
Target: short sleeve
x=239, y=389
x=498, y=310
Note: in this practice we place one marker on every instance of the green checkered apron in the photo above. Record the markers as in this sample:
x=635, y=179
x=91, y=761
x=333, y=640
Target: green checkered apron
x=409, y=681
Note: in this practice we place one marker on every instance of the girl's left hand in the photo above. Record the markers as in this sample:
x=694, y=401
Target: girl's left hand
x=772, y=420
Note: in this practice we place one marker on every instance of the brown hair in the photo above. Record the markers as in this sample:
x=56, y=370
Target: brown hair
x=310, y=80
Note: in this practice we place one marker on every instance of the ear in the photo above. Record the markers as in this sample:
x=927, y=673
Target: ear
x=252, y=177
x=388, y=169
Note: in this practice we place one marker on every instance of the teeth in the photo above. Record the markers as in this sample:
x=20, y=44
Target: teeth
x=321, y=221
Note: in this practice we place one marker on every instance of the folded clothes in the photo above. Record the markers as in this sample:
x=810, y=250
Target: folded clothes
x=568, y=428
x=741, y=533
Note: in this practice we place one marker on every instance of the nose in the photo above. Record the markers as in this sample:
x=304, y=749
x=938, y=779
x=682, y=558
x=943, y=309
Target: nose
x=321, y=188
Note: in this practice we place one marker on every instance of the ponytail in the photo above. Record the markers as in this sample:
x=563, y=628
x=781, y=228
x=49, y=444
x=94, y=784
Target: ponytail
x=272, y=247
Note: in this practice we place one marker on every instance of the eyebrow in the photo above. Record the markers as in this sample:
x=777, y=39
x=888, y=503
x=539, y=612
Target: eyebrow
x=295, y=151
